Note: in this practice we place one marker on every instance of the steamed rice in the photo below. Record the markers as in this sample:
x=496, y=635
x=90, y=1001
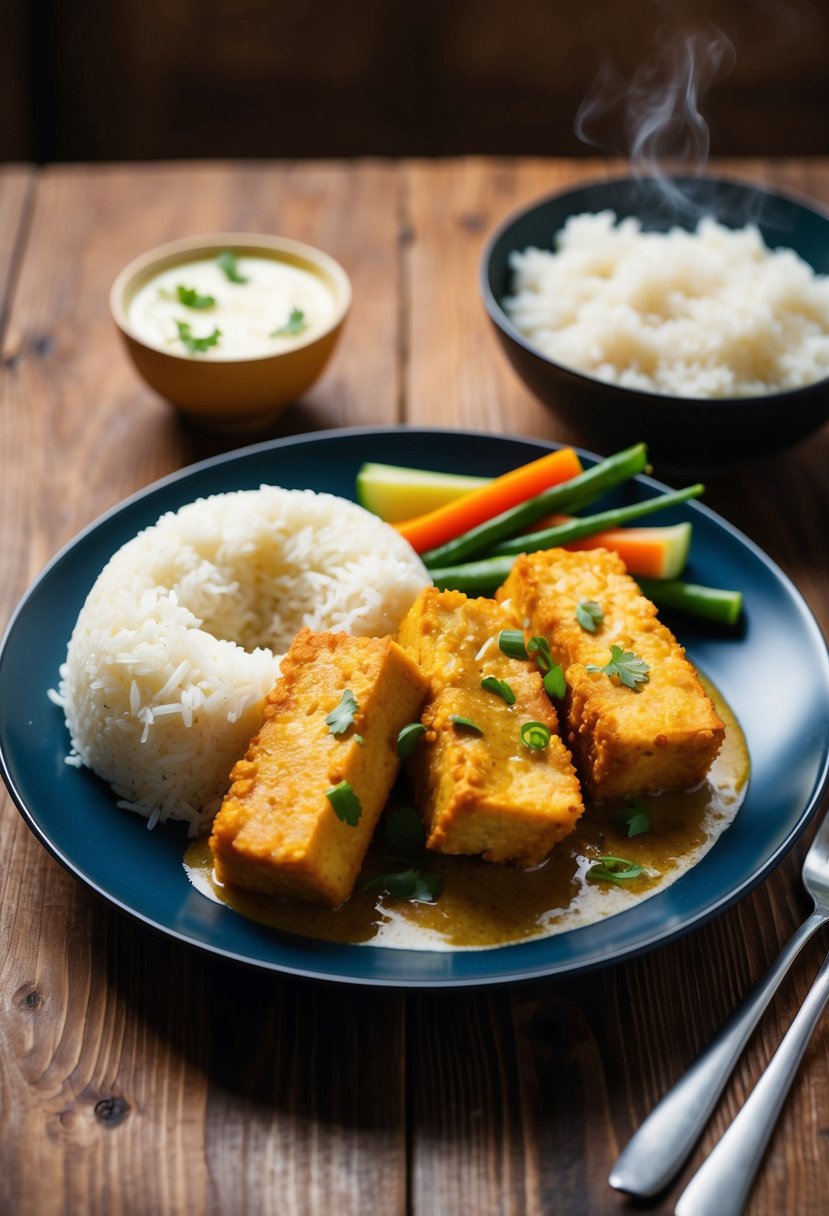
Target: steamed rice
x=182, y=634
x=711, y=313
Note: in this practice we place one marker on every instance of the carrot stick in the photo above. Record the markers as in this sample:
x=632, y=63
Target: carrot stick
x=436, y=527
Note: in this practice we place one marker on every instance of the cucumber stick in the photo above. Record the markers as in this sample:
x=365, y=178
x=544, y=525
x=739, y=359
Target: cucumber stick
x=396, y=493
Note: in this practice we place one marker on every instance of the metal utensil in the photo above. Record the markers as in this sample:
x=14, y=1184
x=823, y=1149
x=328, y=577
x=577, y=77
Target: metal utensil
x=657, y=1151
x=723, y=1181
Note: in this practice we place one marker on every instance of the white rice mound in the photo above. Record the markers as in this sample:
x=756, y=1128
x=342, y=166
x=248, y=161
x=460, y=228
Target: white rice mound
x=711, y=313
x=182, y=634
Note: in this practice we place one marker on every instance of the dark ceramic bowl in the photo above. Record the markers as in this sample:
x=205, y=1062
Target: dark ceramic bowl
x=681, y=432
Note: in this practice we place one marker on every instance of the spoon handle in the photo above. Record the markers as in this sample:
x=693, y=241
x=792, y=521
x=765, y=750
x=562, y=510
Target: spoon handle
x=656, y=1152
x=723, y=1181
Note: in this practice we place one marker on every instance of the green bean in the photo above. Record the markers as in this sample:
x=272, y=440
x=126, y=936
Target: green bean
x=711, y=603
x=588, y=525
x=569, y=496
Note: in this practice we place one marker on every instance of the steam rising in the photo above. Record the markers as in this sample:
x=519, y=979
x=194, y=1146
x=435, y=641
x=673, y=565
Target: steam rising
x=657, y=114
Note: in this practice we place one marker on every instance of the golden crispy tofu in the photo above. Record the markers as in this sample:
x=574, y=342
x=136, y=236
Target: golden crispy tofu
x=484, y=792
x=662, y=735
x=277, y=830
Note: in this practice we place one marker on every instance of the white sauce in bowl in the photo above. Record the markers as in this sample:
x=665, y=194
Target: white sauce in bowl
x=278, y=307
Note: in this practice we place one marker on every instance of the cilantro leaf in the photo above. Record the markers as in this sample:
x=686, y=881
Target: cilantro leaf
x=295, y=324
x=226, y=262
x=345, y=803
x=465, y=723
x=190, y=298
x=421, y=886
x=340, y=718
x=634, y=818
x=589, y=615
x=197, y=345
x=614, y=869
x=628, y=667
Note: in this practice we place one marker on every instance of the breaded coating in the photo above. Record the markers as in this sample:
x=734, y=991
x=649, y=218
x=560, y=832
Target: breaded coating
x=277, y=831
x=484, y=792
x=663, y=735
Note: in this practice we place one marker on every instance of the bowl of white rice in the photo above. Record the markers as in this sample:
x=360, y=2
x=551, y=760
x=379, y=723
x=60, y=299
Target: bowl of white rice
x=691, y=313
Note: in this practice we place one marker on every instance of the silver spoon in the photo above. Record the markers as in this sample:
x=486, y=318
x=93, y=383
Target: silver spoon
x=657, y=1151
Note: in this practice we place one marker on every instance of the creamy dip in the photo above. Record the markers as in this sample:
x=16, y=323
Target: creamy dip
x=277, y=307
x=484, y=905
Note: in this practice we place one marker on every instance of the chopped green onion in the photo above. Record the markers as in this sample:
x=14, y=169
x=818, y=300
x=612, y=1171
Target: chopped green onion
x=535, y=735
x=345, y=803
x=540, y=648
x=465, y=723
x=500, y=687
x=589, y=615
x=511, y=643
x=614, y=869
x=408, y=737
x=555, y=685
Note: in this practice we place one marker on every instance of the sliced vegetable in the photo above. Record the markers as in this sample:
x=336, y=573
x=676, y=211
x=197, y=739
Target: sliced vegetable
x=572, y=495
x=710, y=603
x=536, y=736
x=587, y=525
x=397, y=494
x=658, y=552
x=408, y=737
x=500, y=687
x=511, y=643
x=437, y=527
x=465, y=723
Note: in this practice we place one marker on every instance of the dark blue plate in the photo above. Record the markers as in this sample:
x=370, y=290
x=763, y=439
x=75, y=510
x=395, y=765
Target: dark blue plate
x=784, y=713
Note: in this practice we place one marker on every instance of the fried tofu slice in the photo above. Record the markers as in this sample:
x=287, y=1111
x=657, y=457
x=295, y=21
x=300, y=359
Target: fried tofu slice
x=484, y=793
x=662, y=734
x=277, y=830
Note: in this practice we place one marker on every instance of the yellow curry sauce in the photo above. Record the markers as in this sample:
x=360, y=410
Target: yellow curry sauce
x=484, y=905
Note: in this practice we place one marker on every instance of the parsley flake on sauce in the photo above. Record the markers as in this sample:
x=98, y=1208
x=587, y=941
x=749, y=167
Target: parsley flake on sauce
x=226, y=261
x=190, y=298
x=295, y=324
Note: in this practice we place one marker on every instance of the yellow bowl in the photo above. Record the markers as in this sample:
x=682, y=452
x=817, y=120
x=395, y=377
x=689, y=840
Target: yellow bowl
x=243, y=393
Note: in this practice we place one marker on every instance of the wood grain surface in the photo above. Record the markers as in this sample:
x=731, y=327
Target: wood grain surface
x=138, y=1077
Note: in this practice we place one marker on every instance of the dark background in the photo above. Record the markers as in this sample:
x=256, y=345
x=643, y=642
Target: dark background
x=135, y=79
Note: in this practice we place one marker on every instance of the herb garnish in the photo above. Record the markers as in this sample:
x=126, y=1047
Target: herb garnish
x=406, y=835
x=554, y=683
x=294, y=325
x=589, y=615
x=226, y=262
x=511, y=643
x=634, y=818
x=190, y=298
x=408, y=737
x=535, y=735
x=631, y=670
x=342, y=716
x=614, y=869
x=197, y=345
x=500, y=687
x=466, y=723
x=345, y=803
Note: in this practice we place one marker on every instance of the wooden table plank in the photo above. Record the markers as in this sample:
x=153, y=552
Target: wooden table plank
x=531, y=1095
x=138, y=1077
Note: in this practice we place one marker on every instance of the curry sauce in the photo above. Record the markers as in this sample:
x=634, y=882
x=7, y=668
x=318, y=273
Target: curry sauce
x=485, y=905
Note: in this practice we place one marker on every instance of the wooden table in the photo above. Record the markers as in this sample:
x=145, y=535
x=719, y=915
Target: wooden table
x=140, y=1077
